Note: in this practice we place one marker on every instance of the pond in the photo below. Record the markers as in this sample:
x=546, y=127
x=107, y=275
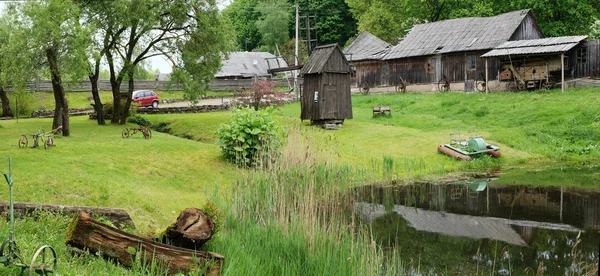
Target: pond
x=518, y=223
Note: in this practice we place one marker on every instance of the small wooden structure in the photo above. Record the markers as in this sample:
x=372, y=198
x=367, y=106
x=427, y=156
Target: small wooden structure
x=382, y=110
x=325, y=97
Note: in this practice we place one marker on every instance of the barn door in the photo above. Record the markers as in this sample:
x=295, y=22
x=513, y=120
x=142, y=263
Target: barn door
x=330, y=101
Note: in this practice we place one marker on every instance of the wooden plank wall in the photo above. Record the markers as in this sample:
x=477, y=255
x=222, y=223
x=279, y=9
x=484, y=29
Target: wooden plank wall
x=412, y=70
x=328, y=106
x=591, y=68
x=527, y=30
x=369, y=71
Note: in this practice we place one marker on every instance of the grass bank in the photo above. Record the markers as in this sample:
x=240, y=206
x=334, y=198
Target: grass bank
x=294, y=219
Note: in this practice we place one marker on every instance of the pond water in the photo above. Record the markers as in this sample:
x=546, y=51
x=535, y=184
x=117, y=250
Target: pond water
x=524, y=220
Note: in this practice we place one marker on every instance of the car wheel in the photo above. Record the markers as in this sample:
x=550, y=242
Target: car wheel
x=155, y=104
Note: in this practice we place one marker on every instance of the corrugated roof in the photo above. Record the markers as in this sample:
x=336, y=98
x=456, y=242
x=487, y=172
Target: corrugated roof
x=318, y=59
x=248, y=64
x=366, y=47
x=536, y=46
x=457, y=35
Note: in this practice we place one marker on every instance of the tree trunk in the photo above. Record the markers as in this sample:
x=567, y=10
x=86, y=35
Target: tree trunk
x=129, y=95
x=118, y=217
x=98, y=107
x=115, y=85
x=6, y=112
x=87, y=233
x=192, y=229
x=61, y=112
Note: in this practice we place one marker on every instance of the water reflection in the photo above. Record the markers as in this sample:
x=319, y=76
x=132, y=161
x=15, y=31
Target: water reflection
x=466, y=226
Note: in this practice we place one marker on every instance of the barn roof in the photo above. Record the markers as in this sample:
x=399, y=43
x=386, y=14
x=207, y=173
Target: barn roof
x=366, y=47
x=458, y=35
x=318, y=62
x=536, y=46
x=248, y=64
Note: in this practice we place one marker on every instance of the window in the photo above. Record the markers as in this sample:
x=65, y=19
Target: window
x=430, y=65
x=471, y=62
x=581, y=55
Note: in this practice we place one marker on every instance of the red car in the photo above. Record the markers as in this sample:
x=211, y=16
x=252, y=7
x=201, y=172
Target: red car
x=145, y=98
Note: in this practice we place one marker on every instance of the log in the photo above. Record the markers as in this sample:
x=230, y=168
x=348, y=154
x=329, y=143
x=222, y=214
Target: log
x=88, y=234
x=192, y=229
x=119, y=217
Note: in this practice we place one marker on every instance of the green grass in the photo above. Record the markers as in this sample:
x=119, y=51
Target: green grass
x=288, y=220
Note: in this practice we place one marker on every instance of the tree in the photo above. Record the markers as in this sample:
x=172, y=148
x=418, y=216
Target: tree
x=273, y=22
x=595, y=30
x=333, y=21
x=51, y=29
x=152, y=28
x=243, y=17
x=201, y=54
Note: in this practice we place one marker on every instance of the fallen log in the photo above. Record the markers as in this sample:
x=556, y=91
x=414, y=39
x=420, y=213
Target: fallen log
x=192, y=229
x=119, y=217
x=88, y=234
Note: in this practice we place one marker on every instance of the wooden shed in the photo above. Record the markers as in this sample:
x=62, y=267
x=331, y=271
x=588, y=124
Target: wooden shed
x=325, y=94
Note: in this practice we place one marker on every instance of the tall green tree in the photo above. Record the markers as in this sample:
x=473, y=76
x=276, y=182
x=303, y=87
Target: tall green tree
x=332, y=20
x=243, y=16
x=200, y=55
x=273, y=22
x=51, y=29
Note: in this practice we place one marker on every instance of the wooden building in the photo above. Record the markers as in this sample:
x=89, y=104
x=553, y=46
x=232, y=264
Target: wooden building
x=364, y=54
x=585, y=60
x=325, y=94
x=451, y=49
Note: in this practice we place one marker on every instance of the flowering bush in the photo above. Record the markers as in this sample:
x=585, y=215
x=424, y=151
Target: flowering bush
x=260, y=96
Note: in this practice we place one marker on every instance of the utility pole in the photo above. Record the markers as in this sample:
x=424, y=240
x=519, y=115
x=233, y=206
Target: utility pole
x=296, y=50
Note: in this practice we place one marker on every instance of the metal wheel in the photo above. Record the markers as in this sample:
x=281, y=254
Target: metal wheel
x=401, y=87
x=15, y=255
x=49, y=142
x=364, y=87
x=125, y=133
x=547, y=85
x=23, y=141
x=44, y=261
x=147, y=133
x=480, y=85
x=444, y=85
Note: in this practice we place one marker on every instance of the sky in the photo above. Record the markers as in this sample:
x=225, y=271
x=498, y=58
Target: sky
x=160, y=63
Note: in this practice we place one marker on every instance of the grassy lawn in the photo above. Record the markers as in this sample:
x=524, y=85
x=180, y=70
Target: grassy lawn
x=283, y=221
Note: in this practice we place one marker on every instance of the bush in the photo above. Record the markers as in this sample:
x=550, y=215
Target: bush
x=251, y=137
x=25, y=100
x=109, y=109
x=260, y=96
x=137, y=119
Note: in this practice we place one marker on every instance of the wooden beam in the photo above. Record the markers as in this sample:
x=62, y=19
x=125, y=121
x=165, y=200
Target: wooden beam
x=562, y=71
x=487, y=85
x=119, y=217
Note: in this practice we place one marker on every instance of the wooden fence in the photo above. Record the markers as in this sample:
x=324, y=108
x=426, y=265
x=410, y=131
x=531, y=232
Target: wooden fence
x=86, y=86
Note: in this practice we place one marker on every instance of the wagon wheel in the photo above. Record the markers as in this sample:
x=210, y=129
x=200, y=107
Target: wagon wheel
x=125, y=133
x=15, y=255
x=547, y=85
x=364, y=87
x=147, y=133
x=23, y=141
x=480, y=85
x=521, y=85
x=44, y=261
x=49, y=142
x=444, y=85
x=401, y=87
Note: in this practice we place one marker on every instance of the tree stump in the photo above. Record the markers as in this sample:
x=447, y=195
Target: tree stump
x=88, y=234
x=191, y=230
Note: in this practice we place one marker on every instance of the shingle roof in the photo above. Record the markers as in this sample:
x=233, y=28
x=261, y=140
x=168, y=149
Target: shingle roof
x=366, y=47
x=457, y=35
x=318, y=60
x=536, y=46
x=248, y=64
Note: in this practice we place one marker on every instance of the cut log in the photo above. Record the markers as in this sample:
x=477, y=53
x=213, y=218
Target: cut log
x=119, y=217
x=88, y=234
x=191, y=230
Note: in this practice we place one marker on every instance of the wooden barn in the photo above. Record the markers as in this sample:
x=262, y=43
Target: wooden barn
x=364, y=54
x=451, y=49
x=325, y=94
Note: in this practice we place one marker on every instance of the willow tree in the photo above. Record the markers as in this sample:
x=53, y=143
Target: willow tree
x=51, y=29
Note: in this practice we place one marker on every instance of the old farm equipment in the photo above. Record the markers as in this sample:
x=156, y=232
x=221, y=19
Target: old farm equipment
x=133, y=130
x=444, y=84
x=467, y=148
x=44, y=259
x=47, y=138
x=531, y=74
x=400, y=86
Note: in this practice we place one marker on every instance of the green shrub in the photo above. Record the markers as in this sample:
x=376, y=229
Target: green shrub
x=137, y=119
x=251, y=137
x=25, y=100
x=109, y=109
